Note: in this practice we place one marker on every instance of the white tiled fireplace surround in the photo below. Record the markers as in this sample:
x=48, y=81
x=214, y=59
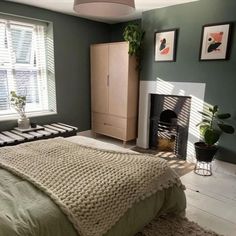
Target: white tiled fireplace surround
x=195, y=90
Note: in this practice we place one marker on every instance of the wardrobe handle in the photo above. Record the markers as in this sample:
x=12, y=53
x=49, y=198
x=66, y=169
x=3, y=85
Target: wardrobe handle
x=107, y=80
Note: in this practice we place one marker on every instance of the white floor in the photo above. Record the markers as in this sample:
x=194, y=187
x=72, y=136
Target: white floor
x=211, y=201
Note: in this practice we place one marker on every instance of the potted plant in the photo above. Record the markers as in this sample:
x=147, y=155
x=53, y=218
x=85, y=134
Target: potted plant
x=211, y=128
x=18, y=103
x=134, y=34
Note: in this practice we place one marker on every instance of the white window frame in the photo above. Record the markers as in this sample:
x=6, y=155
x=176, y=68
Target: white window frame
x=34, y=110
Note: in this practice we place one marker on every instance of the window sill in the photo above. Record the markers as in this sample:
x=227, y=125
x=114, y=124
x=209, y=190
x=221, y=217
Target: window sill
x=29, y=115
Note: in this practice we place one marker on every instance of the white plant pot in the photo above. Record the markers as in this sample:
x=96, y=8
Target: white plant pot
x=23, y=123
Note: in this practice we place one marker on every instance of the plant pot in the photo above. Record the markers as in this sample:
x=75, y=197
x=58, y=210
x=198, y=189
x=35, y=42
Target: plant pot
x=204, y=152
x=23, y=123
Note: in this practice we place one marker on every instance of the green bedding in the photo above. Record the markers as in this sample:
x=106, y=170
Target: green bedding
x=26, y=211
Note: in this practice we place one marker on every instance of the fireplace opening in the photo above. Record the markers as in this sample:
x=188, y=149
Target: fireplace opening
x=168, y=117
x=169, y=121
x=167, y=131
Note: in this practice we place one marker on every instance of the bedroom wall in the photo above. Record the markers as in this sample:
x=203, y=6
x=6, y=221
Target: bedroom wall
x=72, y=38
x=219, y=76
x=116, y=30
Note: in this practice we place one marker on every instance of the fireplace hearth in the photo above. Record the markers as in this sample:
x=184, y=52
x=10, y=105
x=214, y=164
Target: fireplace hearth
x=169, y=123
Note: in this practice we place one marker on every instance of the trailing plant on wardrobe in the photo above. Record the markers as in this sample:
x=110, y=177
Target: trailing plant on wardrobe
x=134, y=34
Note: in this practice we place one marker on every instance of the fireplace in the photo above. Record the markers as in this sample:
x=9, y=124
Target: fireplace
x=169, y=123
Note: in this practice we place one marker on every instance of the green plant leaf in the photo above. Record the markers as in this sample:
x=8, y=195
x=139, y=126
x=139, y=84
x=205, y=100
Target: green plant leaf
x=205, y=114
x=223, y=116
x=134, y=34
x=203, y=129
x=206, y=121
x=203, y=122
x=215, y=108
x=226, y=128
x=211, y=136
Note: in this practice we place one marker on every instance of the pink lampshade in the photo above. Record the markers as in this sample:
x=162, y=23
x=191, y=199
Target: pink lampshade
x=104, y=8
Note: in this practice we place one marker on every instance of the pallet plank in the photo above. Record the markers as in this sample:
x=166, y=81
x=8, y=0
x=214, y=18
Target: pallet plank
x=6, y=139
x=36, y=134
x=55, y=128
x=45, y=133
x=13, y=136
x=52, y=131
x=70, y=126
x=24, y=135
x=62, y=127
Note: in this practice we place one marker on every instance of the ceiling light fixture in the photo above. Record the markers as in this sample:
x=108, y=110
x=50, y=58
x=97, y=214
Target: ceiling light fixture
x=104, y=8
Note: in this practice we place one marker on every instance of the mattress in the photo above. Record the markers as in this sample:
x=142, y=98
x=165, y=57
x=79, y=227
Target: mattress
x=25, y=210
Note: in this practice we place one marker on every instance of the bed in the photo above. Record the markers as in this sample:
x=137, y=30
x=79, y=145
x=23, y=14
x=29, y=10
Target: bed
x=26, y=210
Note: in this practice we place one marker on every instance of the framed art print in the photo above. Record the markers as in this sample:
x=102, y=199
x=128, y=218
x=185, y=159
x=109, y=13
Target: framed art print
x=165, y=45
x=215, y=42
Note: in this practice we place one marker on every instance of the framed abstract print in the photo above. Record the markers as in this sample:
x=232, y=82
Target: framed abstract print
x=165, y=45
x=215, y=42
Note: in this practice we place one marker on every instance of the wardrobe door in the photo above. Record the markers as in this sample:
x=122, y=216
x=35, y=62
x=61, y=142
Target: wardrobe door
x=99, y=78
x=118, y=79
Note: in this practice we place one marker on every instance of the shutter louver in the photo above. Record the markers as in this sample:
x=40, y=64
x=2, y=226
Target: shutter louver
x=22, y=45
x=4, y=102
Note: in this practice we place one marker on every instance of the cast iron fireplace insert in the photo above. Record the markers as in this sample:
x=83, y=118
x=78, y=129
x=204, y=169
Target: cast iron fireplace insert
x=169, y=123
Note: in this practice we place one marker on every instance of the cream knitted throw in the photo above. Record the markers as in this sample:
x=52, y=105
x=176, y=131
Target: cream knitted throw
x=93, y=187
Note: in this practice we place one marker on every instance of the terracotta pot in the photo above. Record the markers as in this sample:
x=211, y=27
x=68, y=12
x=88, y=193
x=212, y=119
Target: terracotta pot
x=204, y=152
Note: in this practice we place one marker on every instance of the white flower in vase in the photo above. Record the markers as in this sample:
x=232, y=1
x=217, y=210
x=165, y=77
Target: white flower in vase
x=19, y=102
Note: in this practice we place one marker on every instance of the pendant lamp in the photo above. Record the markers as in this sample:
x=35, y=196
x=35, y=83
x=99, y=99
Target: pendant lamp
x=104, y=8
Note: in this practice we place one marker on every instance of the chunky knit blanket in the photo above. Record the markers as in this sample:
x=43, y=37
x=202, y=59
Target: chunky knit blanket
x=93, y=187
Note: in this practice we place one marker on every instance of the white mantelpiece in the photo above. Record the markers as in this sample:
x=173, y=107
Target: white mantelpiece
x=195, y=90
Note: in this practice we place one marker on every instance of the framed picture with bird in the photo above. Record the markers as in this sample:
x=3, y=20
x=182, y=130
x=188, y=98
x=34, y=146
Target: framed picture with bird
x=165, y=45
x=215, y=42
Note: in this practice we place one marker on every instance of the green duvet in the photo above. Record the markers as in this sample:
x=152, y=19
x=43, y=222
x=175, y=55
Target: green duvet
x=26, y=211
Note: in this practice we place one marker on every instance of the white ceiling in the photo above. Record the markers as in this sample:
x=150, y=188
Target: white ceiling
x=66, y=6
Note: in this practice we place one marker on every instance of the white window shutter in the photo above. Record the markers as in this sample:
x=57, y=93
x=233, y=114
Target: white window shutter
x=24, y=67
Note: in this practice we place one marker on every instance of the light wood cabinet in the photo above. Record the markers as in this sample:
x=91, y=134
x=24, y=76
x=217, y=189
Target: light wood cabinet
x=114, y=91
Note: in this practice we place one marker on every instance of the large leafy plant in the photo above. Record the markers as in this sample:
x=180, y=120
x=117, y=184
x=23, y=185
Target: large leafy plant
x=134, y=34
x=213, y=125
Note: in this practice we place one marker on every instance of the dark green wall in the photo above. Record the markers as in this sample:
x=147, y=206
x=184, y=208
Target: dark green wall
x=73, y=35
x=219, y=76
x=72, y=38
x=116, y=30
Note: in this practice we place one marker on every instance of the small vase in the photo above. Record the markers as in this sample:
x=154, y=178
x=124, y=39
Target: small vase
x=23, y=123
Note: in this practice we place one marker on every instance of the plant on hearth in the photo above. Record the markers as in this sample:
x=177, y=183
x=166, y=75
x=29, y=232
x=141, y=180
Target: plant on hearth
x=213, y=125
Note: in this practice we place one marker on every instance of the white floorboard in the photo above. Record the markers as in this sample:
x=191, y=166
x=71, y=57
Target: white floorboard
x=211, y=201
x=209, y=221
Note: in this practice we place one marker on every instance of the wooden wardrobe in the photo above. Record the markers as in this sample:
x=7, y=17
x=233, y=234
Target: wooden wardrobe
x=114, y=91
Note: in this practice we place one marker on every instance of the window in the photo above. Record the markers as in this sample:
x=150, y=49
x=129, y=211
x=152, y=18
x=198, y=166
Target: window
x=26, y=65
